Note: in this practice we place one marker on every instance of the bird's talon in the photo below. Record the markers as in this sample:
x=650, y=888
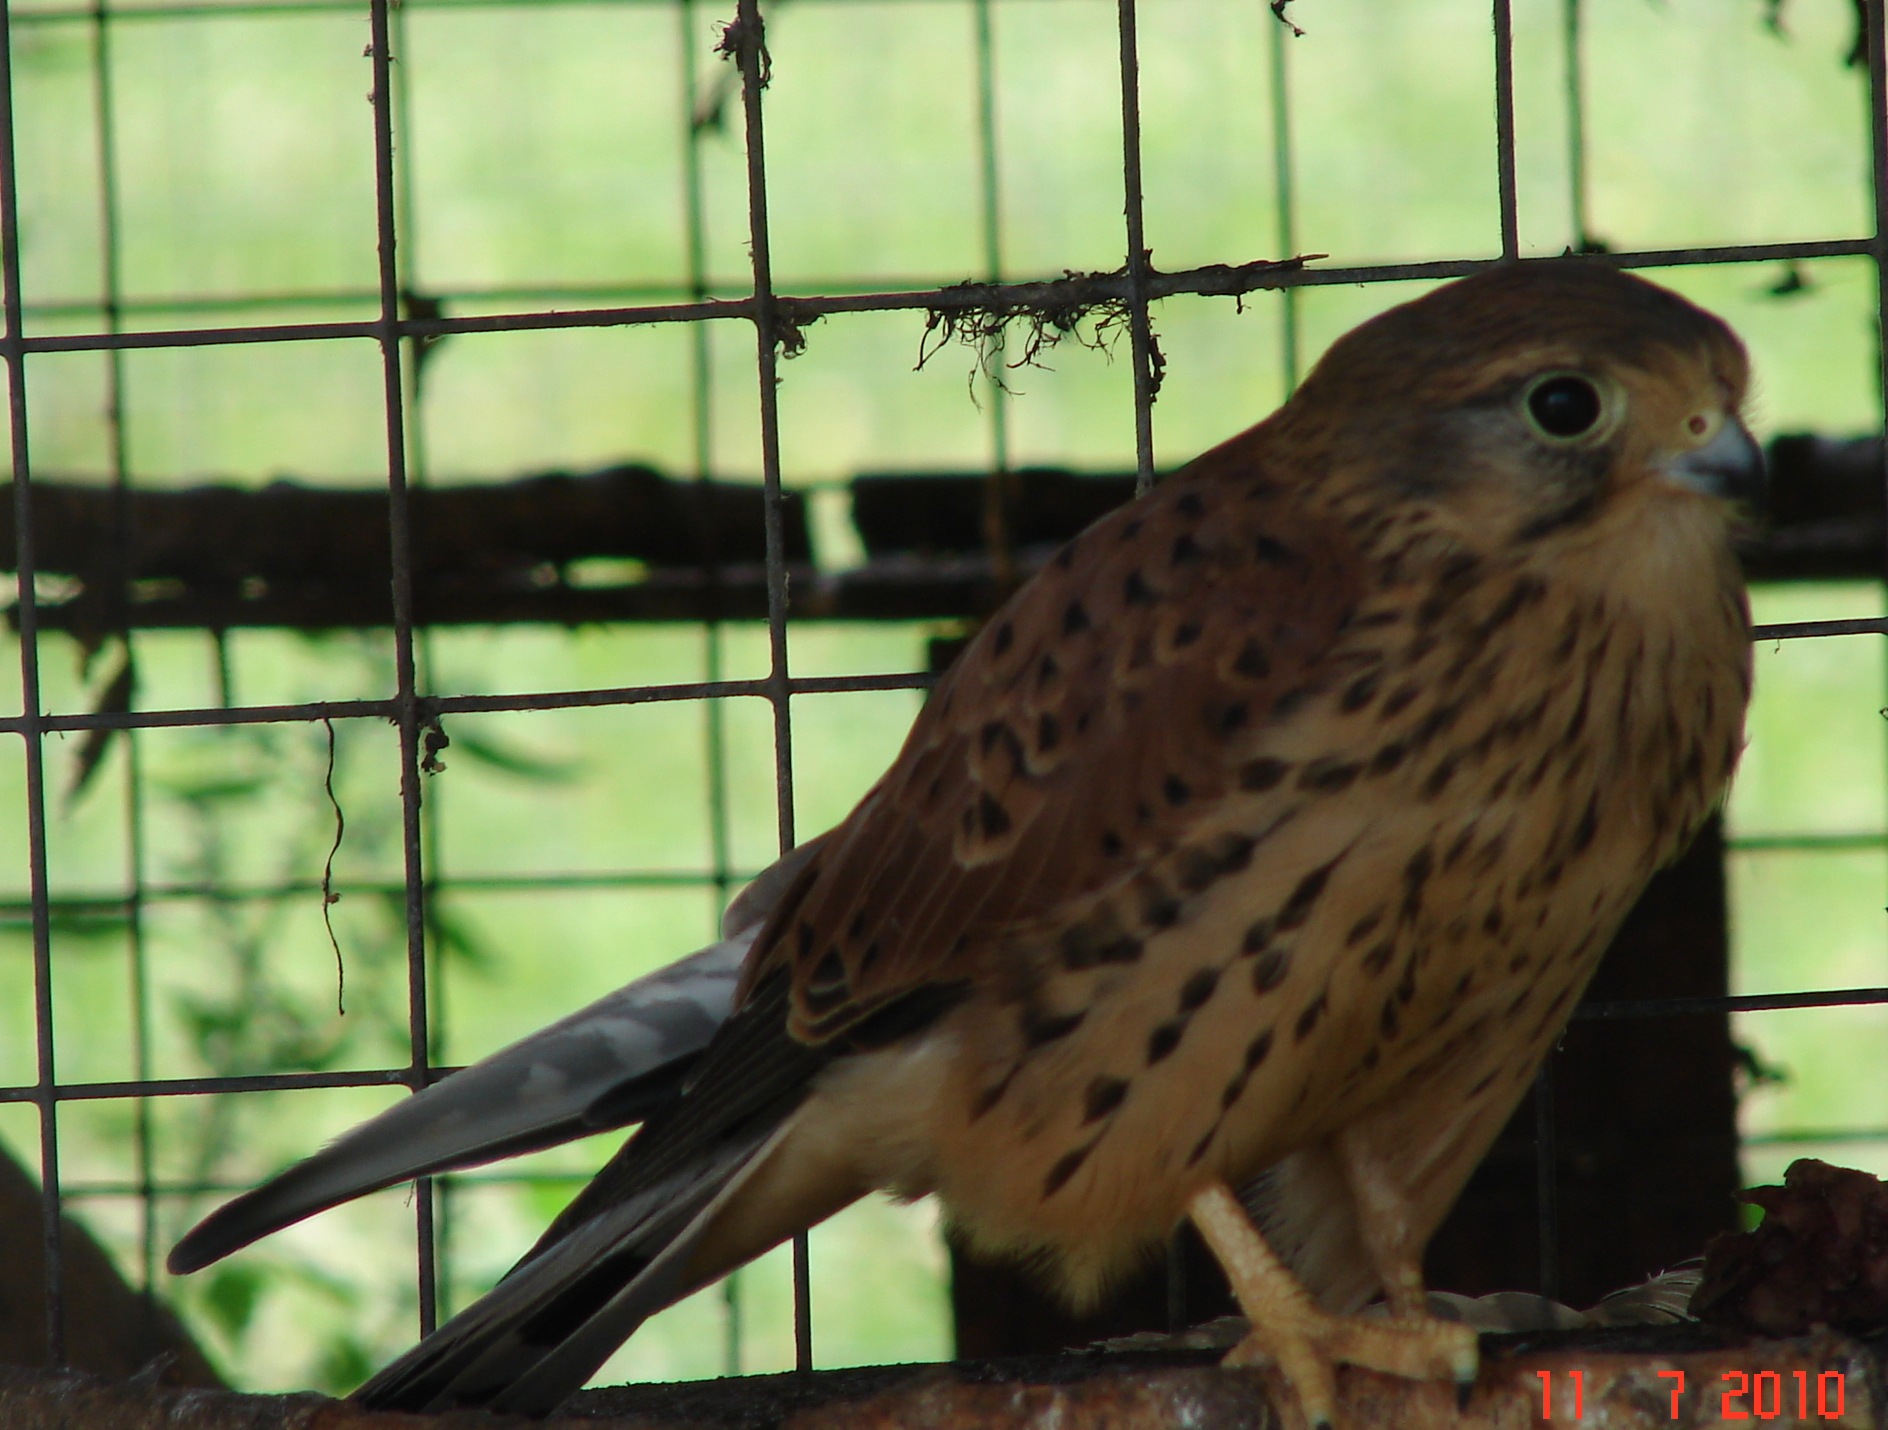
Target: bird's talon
x=1467, y=1364
x=1323, y=1417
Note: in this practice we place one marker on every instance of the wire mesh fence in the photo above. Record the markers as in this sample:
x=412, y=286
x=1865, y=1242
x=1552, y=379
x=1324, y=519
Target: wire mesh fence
x=1003, y=298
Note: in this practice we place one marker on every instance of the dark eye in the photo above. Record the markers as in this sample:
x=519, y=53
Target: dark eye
x=1564, y=406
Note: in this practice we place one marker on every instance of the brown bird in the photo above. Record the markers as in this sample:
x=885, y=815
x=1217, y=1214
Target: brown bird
x=1262, y=842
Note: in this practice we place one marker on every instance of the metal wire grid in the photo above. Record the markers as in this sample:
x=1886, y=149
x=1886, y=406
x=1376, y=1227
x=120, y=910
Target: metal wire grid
x=773, y=316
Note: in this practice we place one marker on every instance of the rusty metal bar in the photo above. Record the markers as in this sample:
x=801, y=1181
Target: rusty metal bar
x=1211, y=280
x=138, y=985
x=406, y=702
x=1504, y=130
x=44, y=1093
x=1140, y=331
x=402, y=1076
x=746, y=42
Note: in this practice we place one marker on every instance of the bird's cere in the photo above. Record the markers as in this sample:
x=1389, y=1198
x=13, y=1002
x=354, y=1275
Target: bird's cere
x=1730, y=465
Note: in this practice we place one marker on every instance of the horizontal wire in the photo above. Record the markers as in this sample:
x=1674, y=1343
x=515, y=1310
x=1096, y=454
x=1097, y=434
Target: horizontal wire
x=218, y=1083
x=1729, y=1003
x=1808, y=842
x=482, y=1177
x=472, y=1179
x=1798, y=630
x=13, y=909
x=439, y=705
x=249, y=9
x=616, y=294
x=653, y=292
x=1794, y=1135
x=396, y=1077
x=704, y=690
x=1212, y=279
x=105, y=901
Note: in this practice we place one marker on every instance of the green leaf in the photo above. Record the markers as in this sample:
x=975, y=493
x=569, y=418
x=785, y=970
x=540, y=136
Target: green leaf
x=230, y=1298
x=342, y=1364
x=453, y=939
x=514, y=761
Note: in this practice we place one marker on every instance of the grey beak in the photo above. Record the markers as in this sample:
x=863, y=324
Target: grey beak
x=1730, y=466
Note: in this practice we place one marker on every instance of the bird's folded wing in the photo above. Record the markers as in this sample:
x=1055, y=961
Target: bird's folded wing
x=603, y=1067
x=1095, y=724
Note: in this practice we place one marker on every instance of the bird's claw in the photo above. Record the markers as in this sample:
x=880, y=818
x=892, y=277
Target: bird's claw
x=1466, y=1363
x=1306, y=1356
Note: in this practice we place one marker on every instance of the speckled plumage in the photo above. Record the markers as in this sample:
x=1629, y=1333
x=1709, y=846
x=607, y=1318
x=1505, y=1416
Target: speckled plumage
x=1306, y=790
x=1264, y=840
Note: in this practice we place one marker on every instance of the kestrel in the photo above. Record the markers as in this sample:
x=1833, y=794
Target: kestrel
x=1259, y=845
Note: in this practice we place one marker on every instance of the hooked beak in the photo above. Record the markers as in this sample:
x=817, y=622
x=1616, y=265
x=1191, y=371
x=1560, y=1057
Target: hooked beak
x=1729, y=466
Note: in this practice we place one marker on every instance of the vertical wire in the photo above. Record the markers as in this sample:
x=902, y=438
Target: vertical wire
x=1546, y=1146
x=748, y=39
x=12, y=349
x=998, y=537
x=440, y=1206
x=220, y=668
x=1285, y=195
x=714, y=712
x=1546, y=1181
x=123, y=535
x=1140, y=332
x=1285, y=206
x=990, y=182
x=1504, y=128
x=406, y=694
x=1141, y=338
x=1875, y=37
x=1576, y=122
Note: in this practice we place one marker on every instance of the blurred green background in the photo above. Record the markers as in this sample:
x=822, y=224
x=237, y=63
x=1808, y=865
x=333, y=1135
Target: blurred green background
x=544, y=156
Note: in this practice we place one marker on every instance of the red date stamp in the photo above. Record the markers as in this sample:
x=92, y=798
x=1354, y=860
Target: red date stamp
x=1743, y=1395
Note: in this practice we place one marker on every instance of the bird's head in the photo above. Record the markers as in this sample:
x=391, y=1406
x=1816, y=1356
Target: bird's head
x=1537, y=400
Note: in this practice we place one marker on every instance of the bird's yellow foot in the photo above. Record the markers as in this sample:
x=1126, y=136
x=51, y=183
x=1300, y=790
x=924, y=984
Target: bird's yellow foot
x=1306, y=1348
x=1306, y=1344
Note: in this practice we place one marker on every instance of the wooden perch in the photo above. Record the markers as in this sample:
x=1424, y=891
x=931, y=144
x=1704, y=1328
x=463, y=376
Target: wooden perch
x=939, y=513
x=1671, y=1378
x=318, y=556
x=1826, y=518
x=939, y=545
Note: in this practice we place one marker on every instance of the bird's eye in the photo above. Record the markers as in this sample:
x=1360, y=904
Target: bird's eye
x=1564, y=406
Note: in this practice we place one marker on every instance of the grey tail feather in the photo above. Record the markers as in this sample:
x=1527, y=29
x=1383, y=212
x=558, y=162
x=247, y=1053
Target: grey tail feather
x=537, y=1336
x=605, y=1065
x=320, y=1182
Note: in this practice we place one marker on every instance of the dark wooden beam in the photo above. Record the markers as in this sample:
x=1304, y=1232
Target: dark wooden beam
x=630, y=544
